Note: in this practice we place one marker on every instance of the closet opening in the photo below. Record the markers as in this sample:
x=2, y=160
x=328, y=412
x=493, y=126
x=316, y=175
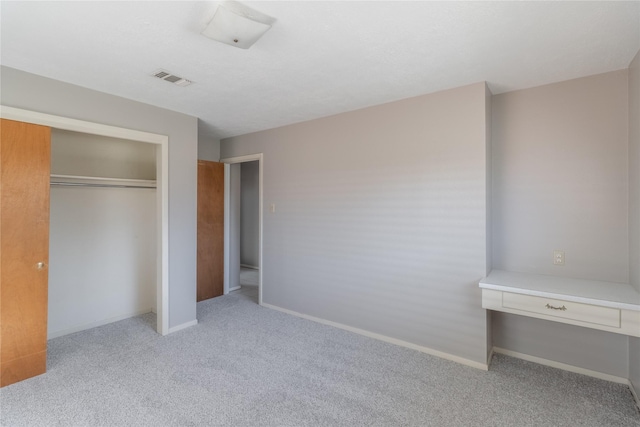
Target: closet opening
x=90, y=178
x=243, y=226
x=102, y=233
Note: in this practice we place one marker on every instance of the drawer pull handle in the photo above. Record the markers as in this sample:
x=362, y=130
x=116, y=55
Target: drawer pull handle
x=549, y=306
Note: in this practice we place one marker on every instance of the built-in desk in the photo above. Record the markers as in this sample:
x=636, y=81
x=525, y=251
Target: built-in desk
x=613, y=307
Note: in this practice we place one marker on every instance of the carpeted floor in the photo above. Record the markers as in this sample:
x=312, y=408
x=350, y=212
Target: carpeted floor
x=244, y=365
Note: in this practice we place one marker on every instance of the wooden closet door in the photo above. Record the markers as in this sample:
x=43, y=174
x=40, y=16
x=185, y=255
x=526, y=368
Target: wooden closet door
x=24, y=249
x=210, y=270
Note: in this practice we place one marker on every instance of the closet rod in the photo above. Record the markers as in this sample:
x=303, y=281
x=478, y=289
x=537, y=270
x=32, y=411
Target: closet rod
x=84, y=184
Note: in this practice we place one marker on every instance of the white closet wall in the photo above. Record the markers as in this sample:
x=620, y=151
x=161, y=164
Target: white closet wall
x=75, y=153
x=102, y=240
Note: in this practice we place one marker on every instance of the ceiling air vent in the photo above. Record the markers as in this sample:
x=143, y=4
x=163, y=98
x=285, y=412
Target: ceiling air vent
x=167, y=76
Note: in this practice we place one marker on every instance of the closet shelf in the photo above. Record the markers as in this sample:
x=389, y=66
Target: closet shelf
x=96, y=181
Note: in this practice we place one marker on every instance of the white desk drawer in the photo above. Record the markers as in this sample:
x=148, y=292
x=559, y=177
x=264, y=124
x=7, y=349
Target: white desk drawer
x=598, y=315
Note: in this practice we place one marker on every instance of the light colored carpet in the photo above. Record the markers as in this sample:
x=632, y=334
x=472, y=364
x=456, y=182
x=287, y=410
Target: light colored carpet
x=244, y=365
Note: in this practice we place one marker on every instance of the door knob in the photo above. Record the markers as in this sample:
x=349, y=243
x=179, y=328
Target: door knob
x=40, y=265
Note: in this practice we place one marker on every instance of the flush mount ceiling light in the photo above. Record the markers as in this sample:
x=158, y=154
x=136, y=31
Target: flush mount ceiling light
x=237, y=25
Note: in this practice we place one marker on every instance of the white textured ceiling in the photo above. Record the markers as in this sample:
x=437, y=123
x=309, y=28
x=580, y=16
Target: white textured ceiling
x=320, y=58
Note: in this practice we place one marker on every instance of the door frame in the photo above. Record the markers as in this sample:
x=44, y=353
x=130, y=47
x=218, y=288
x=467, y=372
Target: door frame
x=162, y=187
x=227, y=216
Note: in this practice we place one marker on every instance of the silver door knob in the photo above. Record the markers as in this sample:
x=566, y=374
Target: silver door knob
x=40, y=265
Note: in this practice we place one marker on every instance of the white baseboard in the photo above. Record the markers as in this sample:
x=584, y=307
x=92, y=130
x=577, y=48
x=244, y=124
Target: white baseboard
x=183, y=326
x=563, y=366
x=490, y=357
x=252, y=267
x=91, y=325
x=384, y=338
x=235, y=288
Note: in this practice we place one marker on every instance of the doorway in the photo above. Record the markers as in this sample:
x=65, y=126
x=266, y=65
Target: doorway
x=249, y=265
x=243, y=251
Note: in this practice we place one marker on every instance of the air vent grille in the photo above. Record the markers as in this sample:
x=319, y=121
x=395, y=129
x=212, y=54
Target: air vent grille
x=171, y=78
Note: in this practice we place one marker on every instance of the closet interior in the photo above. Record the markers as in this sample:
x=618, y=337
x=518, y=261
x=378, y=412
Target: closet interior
x=103, y=235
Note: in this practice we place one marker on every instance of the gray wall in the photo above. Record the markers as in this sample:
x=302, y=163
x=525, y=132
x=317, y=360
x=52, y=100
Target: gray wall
x=560, y=178
x=249, y=215
x=208, y=149
x=31, y=92
x=634, y=205
x=560, y=181
x=76, y=153
x=380, y=219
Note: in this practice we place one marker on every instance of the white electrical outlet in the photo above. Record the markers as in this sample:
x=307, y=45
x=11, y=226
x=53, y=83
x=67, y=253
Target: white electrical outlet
x=558, y=257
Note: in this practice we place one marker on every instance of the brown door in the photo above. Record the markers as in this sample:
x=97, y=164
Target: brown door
x=24, y=249
x=210, y=230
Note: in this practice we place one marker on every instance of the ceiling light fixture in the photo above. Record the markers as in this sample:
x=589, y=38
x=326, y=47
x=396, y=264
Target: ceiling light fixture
x=237, y=25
